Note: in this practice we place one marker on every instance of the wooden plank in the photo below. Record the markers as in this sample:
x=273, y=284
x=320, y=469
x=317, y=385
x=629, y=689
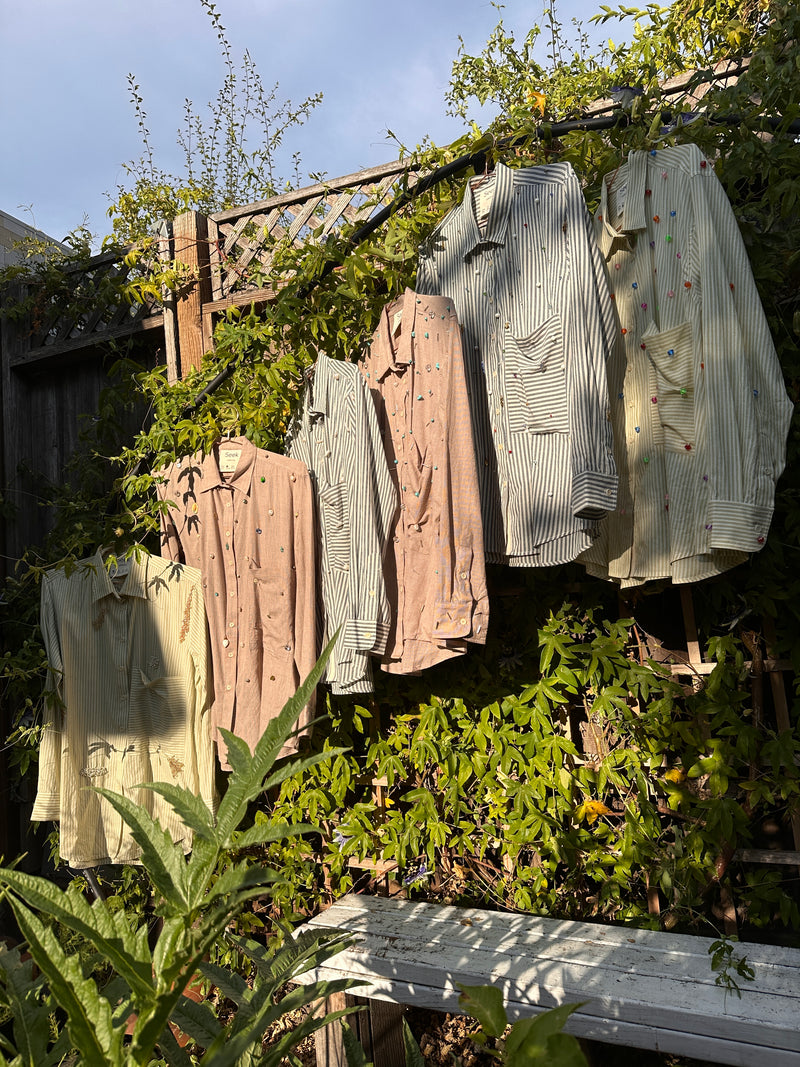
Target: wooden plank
x=779, y=857
x=297, y=196
x=386, y=1031
x=190, y=238
x=781, y=712
x=82, y=347
x=328, y=1043
x=650, y=987
x=692, y=639
x=170, y=312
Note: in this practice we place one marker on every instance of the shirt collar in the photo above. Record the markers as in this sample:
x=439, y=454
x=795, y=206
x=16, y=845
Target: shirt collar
x=319, y=384
x=497, y=221
x=633, y=177
x=395, y=352
x=241, y=479
x=135, y=583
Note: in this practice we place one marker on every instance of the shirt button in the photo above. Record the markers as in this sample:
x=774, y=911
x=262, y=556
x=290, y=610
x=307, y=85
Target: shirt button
x=230, y=655
x=416, y=526
x=463, y=622
x=231, y=624
x=464, y=575
x=271, y=512
x=225, y=642
x=227, y=687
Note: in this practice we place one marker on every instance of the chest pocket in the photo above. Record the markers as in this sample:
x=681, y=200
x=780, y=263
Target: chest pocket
x=535, y=380
x=672, y=353
x=335, y=524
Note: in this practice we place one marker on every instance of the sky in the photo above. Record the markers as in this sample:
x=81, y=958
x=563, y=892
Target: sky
x=67, y=125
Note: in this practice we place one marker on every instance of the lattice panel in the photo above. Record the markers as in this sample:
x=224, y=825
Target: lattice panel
x=243, y=240
x=87, y=306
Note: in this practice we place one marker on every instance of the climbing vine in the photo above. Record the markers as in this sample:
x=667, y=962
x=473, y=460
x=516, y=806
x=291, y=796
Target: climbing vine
x=563, y=769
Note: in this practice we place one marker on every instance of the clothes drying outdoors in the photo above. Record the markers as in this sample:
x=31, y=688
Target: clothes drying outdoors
x=128, y=701
x=699, y=407
x=519, y=261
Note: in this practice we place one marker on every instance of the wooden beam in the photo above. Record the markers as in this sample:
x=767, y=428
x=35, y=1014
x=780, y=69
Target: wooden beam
x=81, y=347
x=190, y=242
x=361, y=177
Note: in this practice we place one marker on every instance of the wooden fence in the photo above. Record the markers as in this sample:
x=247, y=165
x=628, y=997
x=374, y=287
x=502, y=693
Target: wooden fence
x=55, y=357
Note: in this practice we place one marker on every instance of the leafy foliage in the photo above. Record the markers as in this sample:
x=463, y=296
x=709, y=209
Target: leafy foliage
x=129, y=1004
x=562, y=770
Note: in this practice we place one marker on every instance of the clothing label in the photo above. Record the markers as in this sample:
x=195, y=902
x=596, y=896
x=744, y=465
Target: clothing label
x=228, y=460
x=616, y=200
x=398, y=315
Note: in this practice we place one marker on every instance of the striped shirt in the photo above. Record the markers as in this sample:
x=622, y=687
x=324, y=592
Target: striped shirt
x=335, y=434
x=530, y=292
x=434, y=569
x=699, y=407
x=244, y=517
x=127, y=702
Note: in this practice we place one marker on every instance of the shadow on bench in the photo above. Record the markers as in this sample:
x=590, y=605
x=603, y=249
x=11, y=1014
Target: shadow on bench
x=642, y=988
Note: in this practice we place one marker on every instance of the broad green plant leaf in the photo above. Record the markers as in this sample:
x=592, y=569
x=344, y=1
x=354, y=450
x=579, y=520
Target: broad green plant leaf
x=484, y=1003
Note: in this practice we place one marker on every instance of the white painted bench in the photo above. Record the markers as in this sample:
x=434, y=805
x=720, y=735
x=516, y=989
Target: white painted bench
x=641, y=988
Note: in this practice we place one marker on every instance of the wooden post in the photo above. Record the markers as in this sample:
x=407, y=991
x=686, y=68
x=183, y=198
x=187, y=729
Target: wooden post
x=170, y=309
x=190, y=237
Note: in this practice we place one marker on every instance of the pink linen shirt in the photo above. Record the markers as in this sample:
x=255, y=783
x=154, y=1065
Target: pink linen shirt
x=250, y=533
x=434, y=569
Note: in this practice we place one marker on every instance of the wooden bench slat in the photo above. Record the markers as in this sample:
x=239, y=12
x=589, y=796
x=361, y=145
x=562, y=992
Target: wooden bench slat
x=642, y=988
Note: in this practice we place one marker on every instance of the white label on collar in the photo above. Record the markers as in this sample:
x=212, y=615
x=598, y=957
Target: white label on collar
x=228, y=460
x=616, y=200
x=398, y=315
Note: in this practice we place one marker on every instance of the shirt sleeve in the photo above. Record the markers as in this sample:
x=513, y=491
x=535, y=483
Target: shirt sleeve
x=589, y=344
x=170, y=541
x=739, y=390
x=373, y=503
x=305, y=619
x=462, y=609
x=47, y=804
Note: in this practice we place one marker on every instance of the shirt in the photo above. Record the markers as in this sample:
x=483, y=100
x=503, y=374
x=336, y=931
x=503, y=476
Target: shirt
x=127, y=701
x=537, y=322
x=250, y=532
x=335, y=433
x=698, y=402
x=434, y=569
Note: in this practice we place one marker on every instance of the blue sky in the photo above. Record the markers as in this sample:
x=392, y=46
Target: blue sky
x=67, y=124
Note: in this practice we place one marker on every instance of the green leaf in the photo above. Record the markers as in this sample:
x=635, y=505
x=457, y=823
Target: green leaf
x=484, y=1003
x=191, y=808
x=353, y=1051
x=414, y=1056
x=529, y=1037
x=161, y=857
x=88, y=1014
x=123, y=950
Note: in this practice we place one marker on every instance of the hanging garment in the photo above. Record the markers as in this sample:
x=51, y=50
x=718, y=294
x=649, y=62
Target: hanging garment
x=699, y=407
x=336, y=435
x=127, y=702
x=519, y=261
x=434, y=568
x=244, y=517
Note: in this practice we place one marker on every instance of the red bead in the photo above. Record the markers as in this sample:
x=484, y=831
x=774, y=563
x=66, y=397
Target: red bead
x=648, y=192
x=624, y=330
x=761, y=540
x=612, y=296
x=643, y=346
x=731, y=285
x=687, y=285
x=702, y=163
x=688, y=448
x=656, y=218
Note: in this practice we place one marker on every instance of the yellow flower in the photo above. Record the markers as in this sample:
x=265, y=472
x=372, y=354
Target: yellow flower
x=591, y=810
x=675, y=774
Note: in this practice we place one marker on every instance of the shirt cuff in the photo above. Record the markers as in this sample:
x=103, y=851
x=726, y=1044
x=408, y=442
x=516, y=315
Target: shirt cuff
x=733, y=525
x=593, y=494
x=365, y=635
x=46, y=806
